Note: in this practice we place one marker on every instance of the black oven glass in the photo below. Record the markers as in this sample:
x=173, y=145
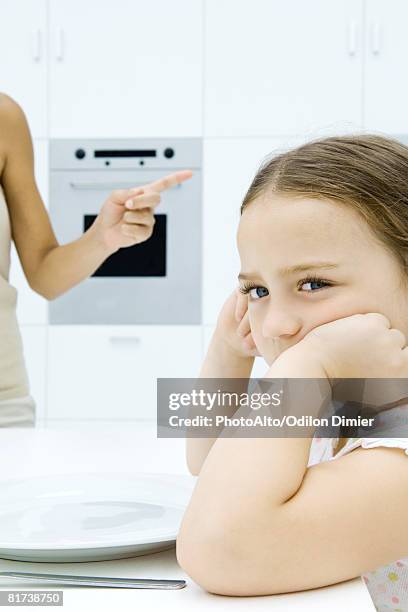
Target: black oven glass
x=145, y=259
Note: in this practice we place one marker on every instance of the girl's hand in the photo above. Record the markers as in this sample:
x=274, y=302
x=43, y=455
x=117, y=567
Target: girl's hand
x=358, y=346
x=126, y=218
x=233, y=326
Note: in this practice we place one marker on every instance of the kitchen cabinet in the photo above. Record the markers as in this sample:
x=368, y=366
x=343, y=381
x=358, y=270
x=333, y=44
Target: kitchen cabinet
x=386, y=55
x=34, y=338
x=133, y=68
x=126, y=69
x=280, y=68
x=229, y=167
x=31, y=307
x=23, y=52
x=109, y=372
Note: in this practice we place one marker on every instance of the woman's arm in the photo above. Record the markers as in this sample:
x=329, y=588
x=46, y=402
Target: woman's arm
x=52, y=269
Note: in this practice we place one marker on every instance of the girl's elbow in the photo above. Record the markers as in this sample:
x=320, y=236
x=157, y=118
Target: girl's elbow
x=211, y=562
x=198, y=561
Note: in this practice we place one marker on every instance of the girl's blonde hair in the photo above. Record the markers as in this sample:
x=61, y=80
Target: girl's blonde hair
x=367, y=172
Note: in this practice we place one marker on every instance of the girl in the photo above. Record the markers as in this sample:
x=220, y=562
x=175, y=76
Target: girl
x=126, y=218
x=323, y=243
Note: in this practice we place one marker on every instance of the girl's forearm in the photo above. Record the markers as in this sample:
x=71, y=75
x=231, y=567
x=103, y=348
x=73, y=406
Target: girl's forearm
x=220, y=362
x=245, y=476
x=63, y=267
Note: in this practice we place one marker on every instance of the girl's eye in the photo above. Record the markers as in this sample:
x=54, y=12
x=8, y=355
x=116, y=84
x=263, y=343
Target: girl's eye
x=254, y=291
x=313, y=280
x=258, y=292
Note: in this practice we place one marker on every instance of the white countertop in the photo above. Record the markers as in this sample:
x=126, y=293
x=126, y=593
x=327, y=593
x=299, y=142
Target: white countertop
x=129, y=447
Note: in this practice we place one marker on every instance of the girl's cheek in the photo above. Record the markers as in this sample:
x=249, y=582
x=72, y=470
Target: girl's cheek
x=256, y=326
x=266, y=347
x=268, y=354
x=263, y=346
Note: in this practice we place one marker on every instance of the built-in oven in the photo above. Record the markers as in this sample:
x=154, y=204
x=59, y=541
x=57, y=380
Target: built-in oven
x=158, y=281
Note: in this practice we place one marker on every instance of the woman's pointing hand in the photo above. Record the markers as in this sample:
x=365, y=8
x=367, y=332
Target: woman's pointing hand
x=127, y=216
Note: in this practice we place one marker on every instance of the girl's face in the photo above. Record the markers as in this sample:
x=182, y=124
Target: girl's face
x=306, y=262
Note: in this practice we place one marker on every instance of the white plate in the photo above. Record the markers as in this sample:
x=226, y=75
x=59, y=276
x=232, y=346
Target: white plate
x=91, y=517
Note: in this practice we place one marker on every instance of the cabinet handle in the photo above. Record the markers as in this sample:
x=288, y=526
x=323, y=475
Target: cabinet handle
x=37, y=45
x=375, y=38
x=60, y=45
x=352, y=37
x=124, y=340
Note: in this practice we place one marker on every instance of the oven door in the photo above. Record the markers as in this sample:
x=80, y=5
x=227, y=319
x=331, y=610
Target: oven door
x=155, y=282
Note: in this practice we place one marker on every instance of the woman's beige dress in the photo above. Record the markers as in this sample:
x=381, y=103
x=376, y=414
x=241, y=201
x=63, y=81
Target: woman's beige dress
x=17, y=408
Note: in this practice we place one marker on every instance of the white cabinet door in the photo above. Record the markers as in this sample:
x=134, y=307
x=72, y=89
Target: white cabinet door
x=31, y=307
x=109, y=372
x=229, y=167
x=125, y=68
x=278, y=68
x=34, y=339
x=23, y=63
x=386, y=86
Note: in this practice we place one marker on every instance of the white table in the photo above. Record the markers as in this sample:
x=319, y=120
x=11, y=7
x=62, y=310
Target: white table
x=127, y=447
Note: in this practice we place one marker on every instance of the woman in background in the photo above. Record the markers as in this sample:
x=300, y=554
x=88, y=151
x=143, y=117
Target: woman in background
x=323, y=242
x=126, y=218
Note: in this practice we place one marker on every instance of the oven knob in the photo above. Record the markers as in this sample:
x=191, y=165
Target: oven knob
x=168, y=153
x=80, y=154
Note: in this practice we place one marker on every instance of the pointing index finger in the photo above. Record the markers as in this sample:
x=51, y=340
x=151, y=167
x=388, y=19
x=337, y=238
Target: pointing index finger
x=170, y=180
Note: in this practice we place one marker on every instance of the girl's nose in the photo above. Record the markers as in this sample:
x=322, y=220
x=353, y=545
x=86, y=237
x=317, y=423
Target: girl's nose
x=279, y=323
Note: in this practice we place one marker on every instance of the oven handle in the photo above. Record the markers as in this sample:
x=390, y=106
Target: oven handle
x=109, y=186
x=103, y=186
x=124, y=340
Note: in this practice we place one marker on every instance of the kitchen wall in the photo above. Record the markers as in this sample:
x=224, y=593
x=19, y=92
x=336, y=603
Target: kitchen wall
x=249, y=78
